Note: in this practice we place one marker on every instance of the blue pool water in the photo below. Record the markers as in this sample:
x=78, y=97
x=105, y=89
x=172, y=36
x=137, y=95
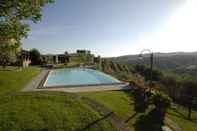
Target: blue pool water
x=78, y=76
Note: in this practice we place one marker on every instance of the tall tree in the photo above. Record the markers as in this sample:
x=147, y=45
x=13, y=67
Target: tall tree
x=35, y=57
x=8, y=53
x=15, y=14
x=189, y=95
x=14, y=18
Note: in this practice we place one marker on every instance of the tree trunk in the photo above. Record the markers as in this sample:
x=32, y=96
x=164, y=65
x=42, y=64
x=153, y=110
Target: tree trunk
x=4, y=65
x=189, y=113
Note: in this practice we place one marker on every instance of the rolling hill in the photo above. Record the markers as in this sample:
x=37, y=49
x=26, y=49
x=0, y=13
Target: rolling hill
x=182, y=62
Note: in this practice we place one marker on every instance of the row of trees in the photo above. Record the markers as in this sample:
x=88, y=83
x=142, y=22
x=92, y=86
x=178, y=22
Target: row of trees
x=122, y=72
x=181, y=88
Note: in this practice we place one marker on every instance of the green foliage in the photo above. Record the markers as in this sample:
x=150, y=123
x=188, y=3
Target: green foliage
x=47, y=59
x=181, y=88
x=15, y=14
x=148, y=122
x=145, y=98
x=8, y=53
x=121, y=72
x=189, y=95
x=161, y=102
x=171, y=86
x=114, y=67
x=35, y=57
x=122, y=103
x=22, y=10
x=13, y=29
x=145, y=71
x=141, y=102
x=85, y=58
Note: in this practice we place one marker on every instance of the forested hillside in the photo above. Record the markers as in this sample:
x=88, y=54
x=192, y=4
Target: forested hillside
x=180, y=62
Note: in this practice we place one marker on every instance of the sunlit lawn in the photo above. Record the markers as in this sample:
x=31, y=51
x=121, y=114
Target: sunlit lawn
x=121, y=103
x=118, y=101
x=34, y=111
x=179, y=114
x=48, y=112
x=13, y=79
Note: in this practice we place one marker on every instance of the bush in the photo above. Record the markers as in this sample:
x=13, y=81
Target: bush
x=35, y=57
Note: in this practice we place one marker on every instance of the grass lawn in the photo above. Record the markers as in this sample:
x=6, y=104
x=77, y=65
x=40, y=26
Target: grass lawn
x=48, y=111
x=43, y=111
x=121, y=103
x=14, y=80
x=179, y=114
x=118, y=101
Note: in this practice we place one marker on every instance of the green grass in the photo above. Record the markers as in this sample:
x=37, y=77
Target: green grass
x=179, y=114
x=42, y=111
x=14, y=80
x=118, y=101
x=122, y=104
x=48, y=111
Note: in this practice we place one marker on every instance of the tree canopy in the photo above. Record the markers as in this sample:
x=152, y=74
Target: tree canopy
x=15, y=14
x=35, y=57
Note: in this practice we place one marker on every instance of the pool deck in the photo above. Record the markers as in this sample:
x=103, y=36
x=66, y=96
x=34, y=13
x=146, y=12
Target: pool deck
x=37, y=85
x=89, y=88
x=37, y=81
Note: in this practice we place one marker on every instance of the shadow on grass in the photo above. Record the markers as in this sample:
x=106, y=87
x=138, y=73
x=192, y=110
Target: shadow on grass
x=181, y=115
x=131, y=117
x=177, y=113
x=149, y=122
x=96, y=121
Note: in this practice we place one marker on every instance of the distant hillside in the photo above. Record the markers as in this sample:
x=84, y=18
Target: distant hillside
x=183, y=62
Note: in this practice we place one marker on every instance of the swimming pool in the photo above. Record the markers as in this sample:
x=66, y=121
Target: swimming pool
x=78, y=77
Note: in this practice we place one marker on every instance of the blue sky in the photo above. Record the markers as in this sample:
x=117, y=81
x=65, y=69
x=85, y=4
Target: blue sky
x=107, y=27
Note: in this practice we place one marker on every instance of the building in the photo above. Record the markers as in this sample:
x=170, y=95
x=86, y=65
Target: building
x=81, y=56
x=83, y=52
x=23, y=58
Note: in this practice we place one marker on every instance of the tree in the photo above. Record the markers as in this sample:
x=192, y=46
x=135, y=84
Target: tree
x=189, y=95
x=161, y=102
x=145, y=98
x=140, y=94
x=145, y=71
x=35, y=57
x=8, y=52
x=14, y=15
x=14, y=18
x=171, y=86
x=114, y=66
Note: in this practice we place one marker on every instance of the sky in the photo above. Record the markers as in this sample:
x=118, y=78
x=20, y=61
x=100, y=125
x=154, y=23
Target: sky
x=115, y=27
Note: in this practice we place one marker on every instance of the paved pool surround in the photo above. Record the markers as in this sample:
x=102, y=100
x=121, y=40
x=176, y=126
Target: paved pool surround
x=38, y=82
